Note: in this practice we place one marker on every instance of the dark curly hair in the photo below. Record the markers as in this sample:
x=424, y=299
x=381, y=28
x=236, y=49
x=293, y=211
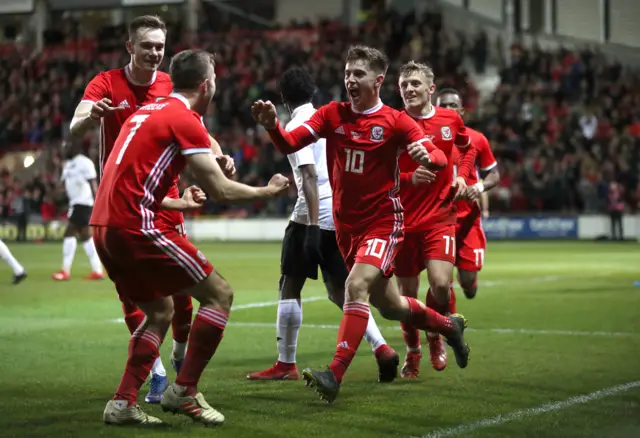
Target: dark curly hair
x=297, y=87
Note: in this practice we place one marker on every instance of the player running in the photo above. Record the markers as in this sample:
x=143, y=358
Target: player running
x=430, y=218
x=109, y=99
x=79, y=178
x=148, y=259
x=309, y=241
x=470, y=238
x=364, y=140
x=19, y=272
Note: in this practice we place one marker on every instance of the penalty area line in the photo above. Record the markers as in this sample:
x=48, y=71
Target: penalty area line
x=530, y=412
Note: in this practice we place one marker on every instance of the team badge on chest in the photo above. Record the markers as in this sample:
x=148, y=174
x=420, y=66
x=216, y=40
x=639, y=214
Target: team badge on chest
x=377, y=133
x=446, y=133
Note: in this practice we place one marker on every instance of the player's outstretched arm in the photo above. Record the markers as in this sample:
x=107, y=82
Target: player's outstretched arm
x=222, y=189
x=264, y=113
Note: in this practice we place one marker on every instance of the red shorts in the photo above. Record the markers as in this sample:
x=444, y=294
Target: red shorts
x=377, y=246
x=472, y=244
x=438, y=243
x=149, y=265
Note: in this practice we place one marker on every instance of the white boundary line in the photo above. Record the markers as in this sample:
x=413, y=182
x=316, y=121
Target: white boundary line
x=492, y=330
x=529, y=412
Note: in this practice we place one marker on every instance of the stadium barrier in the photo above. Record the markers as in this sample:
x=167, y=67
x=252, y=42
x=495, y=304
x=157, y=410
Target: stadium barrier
x=496, y=228
x=272, y=230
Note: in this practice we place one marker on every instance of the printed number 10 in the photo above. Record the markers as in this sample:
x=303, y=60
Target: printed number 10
x=355, y=161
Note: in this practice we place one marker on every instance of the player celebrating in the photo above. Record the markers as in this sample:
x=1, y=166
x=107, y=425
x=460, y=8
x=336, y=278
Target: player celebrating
x=470, y=238
x=311, y=233
x=430, y=218
x=19, y=272
x=364, y=140
x=150, y=260
x=79, y=177
x=131, y=87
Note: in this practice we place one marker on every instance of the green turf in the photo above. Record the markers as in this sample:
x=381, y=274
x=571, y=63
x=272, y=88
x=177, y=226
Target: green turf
x=62, y=355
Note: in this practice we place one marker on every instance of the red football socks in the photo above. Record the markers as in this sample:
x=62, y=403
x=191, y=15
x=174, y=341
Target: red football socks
x=434, y=304
x=424, y=318
x=354, y=323
x=452, y=300
x=182, y=316
x=143, y=350
x=411, y=336
x=133, y=316
x=206, y=334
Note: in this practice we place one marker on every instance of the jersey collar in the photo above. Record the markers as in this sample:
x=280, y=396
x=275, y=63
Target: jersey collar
x=127, y=73
x=428, y=116
x=181, y=98
x=301, y=108
x=370, y=110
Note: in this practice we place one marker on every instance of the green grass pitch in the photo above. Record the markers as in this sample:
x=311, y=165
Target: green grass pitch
x=553, y=323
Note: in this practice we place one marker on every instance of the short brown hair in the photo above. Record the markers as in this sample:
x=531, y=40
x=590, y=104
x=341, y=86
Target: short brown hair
x=413, y=67
x=146, y=22
x=377, y=60
x=190, y=68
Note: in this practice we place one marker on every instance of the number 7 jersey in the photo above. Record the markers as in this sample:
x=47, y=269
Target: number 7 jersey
x=146, y=160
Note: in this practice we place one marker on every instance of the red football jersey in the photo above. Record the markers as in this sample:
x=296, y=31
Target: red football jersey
x=485, y=161
x=362, y=159
x=428, y=205
x=145, y=163
x=118, y=86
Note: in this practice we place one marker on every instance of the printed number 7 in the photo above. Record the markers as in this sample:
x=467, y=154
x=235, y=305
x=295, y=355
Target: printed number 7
x=138, y=119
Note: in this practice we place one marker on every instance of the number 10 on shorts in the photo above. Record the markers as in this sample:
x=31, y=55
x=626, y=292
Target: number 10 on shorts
x=375, y=248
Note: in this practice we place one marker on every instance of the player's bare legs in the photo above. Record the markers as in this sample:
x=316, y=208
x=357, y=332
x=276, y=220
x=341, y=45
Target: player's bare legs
x=368, y=282
x=19, y=273
x=409, y=287
x=468, y=282
x=215, y=296
x=143, y=350
x=438, y=298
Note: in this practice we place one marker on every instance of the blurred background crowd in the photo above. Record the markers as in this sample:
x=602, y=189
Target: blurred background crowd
x=563, y=124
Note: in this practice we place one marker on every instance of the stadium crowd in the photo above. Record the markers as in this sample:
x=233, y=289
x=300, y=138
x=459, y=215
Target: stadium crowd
x=564, y=125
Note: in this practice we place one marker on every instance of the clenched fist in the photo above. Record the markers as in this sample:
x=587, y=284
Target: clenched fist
x=264, y=113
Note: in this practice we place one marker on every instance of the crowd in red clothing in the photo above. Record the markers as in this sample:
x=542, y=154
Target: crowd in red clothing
x=563, y=124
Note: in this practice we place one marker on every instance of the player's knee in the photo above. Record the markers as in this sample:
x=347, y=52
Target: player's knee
x=439, y=284
x=409, y=286
x=225, y=296
x=356, y=289
x=467, y=279
x=160, y=318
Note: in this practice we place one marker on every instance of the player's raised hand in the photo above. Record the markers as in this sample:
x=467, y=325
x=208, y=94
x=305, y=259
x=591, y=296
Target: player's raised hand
x=422, y=175
x=227, y=165
x=193, y=198
x=103, y=107
x=419, y=153
x=264, y=113
x=278, y=184
x=460, y=186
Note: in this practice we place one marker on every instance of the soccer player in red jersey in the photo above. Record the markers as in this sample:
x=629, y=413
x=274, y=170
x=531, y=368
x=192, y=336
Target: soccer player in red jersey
x=364, y=139
x=470, y=238
x=430, y=218
x=109, y=100
x=148, y=259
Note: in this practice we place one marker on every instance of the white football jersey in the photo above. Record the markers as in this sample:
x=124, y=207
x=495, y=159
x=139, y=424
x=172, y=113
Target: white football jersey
x=316, y=154
x=76, y=174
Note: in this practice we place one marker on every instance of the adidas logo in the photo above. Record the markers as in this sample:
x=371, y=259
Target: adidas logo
x=343, y=344
x=124, y=104
x=340, y=130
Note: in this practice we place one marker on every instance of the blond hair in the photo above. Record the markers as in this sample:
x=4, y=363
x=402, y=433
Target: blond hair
x=413, y=67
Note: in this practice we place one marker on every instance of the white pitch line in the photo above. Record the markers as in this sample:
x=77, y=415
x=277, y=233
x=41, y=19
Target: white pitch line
x=492, y=330
x=529, y=412
x=252, y=305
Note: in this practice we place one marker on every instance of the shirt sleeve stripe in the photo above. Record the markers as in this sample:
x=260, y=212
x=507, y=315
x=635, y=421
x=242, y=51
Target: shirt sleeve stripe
x=196, y=151
x=489, y=167
x=310, y=130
